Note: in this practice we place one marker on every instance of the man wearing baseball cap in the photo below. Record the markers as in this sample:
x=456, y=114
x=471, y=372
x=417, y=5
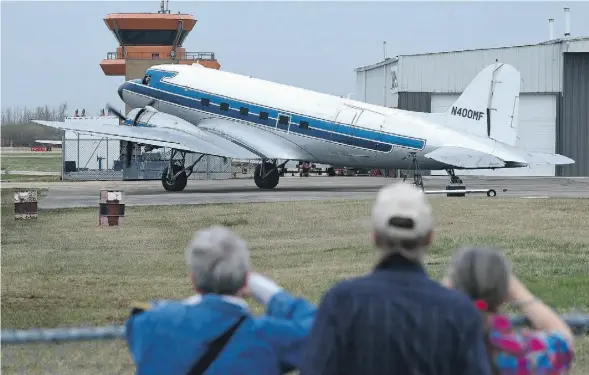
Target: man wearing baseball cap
x=396, y=319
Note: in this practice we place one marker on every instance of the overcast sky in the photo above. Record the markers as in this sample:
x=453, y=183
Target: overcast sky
x=51, y=51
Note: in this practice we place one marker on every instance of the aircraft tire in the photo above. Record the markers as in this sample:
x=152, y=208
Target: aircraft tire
x=331, y=171
x=180, y=182
x=270, y=181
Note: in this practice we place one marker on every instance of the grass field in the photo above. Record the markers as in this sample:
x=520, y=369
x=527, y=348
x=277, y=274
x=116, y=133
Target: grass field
x=24, y=178
x=64, y=270
x=32, y=161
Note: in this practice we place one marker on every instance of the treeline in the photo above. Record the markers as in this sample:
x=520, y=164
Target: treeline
x=19, y=131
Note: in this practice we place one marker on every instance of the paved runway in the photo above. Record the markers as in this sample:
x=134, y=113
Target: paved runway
x=86, y=194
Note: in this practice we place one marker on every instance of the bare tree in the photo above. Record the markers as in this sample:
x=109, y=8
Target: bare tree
x=19, y=130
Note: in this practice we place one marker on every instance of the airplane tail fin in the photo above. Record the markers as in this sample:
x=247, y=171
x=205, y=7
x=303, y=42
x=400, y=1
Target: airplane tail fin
x=489, y=105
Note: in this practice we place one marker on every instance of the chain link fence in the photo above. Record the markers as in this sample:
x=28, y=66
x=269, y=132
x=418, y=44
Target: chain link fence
x=95, y=159
x=102, y=350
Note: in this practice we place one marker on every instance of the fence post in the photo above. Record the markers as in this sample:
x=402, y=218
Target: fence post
x=78, y=147
x=107, y=141
x=25, y=205
x=62, y=156
x=111, y=211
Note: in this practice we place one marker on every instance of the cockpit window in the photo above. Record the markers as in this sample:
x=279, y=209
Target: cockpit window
x=145, y=117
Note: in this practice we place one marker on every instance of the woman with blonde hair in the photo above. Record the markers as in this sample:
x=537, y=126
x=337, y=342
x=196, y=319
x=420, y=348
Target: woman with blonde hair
x=485, y=275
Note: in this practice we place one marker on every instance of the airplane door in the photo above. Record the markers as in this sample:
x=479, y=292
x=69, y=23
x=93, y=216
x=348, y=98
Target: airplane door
x=368, y=127
x=345, y=117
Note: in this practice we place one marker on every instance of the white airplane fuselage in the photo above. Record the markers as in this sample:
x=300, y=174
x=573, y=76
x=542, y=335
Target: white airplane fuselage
x=333, y=130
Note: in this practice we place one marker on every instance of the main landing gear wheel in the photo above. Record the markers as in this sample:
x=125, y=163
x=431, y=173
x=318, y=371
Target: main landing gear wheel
x=177, y=179
x=172, y=183
x=177, y=183
x=331, y=171
x=266, y=175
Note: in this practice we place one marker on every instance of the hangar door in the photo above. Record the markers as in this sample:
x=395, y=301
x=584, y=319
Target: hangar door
x=536, y=132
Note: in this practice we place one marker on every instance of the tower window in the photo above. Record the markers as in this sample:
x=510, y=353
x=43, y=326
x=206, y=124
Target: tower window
x=304, y=125
x=263, y=115
x=283, y=120
x=224, y=106
x=243, y=111
x=205, y=102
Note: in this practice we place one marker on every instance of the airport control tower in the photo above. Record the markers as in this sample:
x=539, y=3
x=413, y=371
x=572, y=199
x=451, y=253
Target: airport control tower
x=148, y=39
x=145, y=40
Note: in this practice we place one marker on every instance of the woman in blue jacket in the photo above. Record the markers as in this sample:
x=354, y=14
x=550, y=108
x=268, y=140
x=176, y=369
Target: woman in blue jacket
x=213, y=332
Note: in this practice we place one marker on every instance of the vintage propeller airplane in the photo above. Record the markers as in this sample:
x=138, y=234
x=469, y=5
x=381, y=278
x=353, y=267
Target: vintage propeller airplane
x=193, y=109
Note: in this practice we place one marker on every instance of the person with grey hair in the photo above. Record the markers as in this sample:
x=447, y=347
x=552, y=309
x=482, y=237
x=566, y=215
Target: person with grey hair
x=213, y=331
x=397, y=320
x=484, y=274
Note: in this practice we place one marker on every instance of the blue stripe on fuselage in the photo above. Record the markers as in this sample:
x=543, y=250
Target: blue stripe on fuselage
x=317, y=128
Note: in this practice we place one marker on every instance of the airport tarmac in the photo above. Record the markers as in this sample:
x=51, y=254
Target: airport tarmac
x=139, y=193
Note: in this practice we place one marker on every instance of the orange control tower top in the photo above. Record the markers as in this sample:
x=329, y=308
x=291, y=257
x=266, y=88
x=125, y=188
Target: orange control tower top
x=148, y=39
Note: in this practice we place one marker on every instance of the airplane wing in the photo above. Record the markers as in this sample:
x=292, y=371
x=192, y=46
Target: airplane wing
x=212, y=137
x=156, y=137
x=266, y=144
x=465, y=158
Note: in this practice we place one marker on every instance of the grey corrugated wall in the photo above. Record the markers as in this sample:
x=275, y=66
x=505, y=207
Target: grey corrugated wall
x=416, y=102
x=573, y=115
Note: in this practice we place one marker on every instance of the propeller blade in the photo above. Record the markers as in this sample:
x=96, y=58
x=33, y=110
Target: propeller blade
x=139, y=113
x=117, y=113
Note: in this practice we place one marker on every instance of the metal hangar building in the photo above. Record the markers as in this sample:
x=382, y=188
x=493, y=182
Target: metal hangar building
x=553, y=105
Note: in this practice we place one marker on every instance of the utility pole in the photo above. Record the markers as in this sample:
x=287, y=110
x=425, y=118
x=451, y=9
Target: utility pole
x=384, y=73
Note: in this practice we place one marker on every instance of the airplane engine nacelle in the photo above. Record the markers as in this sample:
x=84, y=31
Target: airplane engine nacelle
x=150, y=117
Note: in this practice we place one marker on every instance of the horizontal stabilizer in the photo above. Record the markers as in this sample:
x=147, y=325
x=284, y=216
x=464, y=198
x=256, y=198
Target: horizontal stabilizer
x=465, y=158
x=543, y=158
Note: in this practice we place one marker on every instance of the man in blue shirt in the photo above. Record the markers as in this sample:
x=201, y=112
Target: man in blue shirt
x=396, y=320
x=170, y=337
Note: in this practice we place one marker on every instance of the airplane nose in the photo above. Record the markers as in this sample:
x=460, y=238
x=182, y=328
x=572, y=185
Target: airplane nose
x=120, y=91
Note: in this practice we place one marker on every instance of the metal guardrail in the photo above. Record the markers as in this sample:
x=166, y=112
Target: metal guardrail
x=197, y=56
x=155, y=55
x=579, y=324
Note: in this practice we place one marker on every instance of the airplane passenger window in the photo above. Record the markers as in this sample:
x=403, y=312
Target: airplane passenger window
x=263, y=115
x=224, y=106
x=205, y=102
x=283, y=120
x=243, y=111
x=304, y=125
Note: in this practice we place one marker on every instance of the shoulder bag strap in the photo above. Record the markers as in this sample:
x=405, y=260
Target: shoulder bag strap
x=214, y=349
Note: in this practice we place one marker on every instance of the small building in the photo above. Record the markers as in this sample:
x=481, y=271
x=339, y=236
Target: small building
x=83, y=151
x=553, y=105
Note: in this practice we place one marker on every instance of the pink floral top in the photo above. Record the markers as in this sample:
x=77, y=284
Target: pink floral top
x=525, y=351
